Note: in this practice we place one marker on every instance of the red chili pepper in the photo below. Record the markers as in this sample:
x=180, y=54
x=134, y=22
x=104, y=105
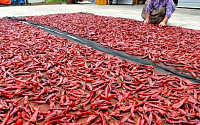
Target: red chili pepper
x=113, y=123
x=24, y=116
x=150, y=81
x=133, y=109
x=142, y=102
x=98, y=88
x=97, y=102
x=156, y=106
x=130, y=121
x=114, y=114
x=140, y=86
x=106, y=117
x=142, y=122
x=106, y=91
x=62, y=99
x=19, y=122
x=2, y=107
x=89, y=86
x=90, y=119
x=61, y=80
x=6, y=94
x=19, y=115
x=180, y=121
x=96, y=122
x=25, y=100
x=188, y=83
x=109, y=97
x=159, y=110
x=49, y=97
x=192, y=100
x=88, y=79
x=35, y=115
x=7, y=117
x=103, y=107
x=57, y=121
x=147, y=94
x=126, y=108
x=53, y=114
x=195, y=94
x=27, y=123
x=128, y=88
x=158, y=119
x=19, y=91
x=125, y=118
x=75, y=87
x=86, y=102
x=103, y=121
x=193, y=74
x=147, y=119
x=138, y=121
x=98, y=83
x=179, y=104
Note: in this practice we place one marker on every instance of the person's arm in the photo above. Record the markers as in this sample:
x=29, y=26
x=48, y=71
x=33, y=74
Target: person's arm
x=164, y=22
x=149, y=8
x=170, y=8
x=147, y=20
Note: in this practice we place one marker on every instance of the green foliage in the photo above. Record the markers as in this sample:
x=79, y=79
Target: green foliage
x=57, y=1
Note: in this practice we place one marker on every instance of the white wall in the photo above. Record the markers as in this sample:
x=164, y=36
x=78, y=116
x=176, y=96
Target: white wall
x=189, y=3
x=123, y=2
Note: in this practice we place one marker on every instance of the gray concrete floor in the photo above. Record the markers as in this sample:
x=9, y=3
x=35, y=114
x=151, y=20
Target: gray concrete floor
x=188, y=18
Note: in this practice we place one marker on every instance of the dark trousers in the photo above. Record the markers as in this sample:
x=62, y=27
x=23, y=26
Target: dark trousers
x=156, y=16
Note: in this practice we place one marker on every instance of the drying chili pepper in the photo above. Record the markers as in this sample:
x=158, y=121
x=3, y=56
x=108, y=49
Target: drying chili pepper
x=98, y=88
x=65, y=77
x=179, y=104
x=158, y=119
x=90, y=119
x=133, y=109
x=125, y=118
x=89, y=86
x=108, y=97
x=192, y=100
x=138, y=121
x=34, y=116
x=19, y=122
x=7, y=117
x=142, y=102
x=86, y=102
x=103, y=121
x=156, y=106
x=126, y=108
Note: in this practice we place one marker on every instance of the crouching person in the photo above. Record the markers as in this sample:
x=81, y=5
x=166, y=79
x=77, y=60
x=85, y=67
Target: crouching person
x=158, y=11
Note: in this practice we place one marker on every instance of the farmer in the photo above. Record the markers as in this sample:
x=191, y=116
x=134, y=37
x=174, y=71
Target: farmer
x=158, y=11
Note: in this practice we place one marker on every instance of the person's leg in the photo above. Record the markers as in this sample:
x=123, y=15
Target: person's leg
x=162, y=14
x=157, y=15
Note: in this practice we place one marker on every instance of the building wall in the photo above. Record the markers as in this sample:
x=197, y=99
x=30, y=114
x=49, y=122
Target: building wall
x=123, y=1
x=189, y=3
x=131, y=1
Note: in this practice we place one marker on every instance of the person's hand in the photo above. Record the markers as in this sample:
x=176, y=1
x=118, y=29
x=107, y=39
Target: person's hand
x=161, y=24
x=164, y=22
x=146, y=21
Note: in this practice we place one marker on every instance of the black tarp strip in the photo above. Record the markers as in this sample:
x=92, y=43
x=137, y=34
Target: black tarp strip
x=99, y=47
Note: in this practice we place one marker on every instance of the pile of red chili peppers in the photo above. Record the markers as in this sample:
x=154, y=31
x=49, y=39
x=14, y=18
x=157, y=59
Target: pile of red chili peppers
x=45, y=79
x=173, y=46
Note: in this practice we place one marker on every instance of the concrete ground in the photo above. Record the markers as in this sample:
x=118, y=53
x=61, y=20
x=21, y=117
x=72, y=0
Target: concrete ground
x=188, y=18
